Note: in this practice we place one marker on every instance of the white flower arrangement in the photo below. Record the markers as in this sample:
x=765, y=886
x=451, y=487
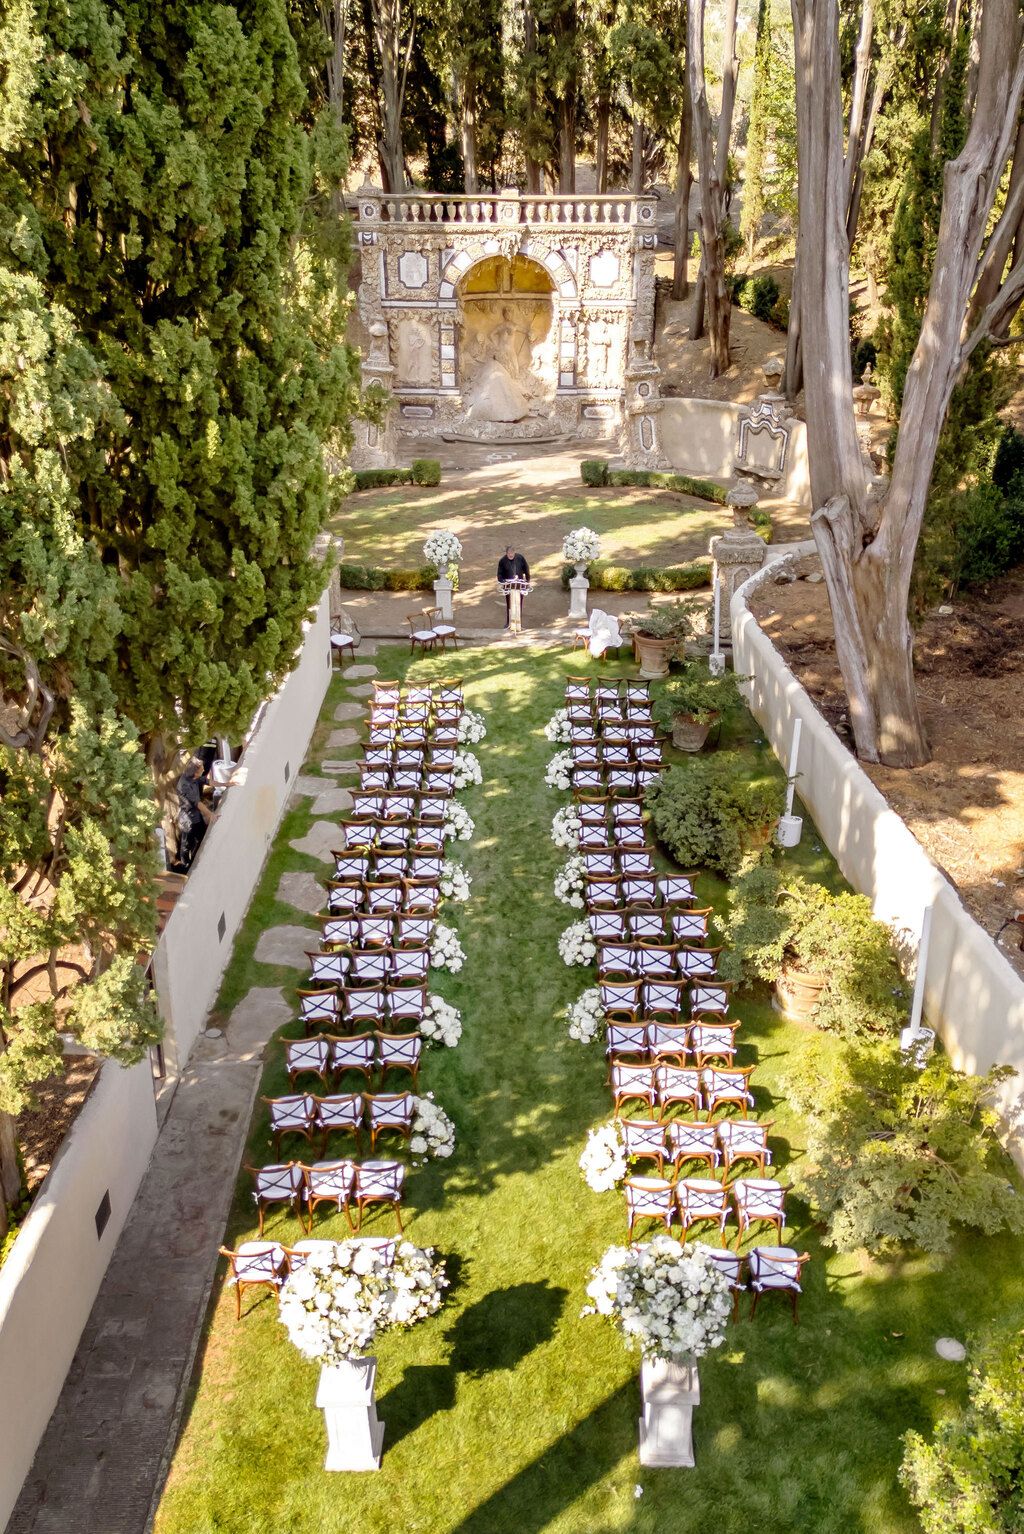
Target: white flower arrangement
x=472, y=727
x=603, y=1162
x=666, y=1297
x=340, y=1299
x=569, y=882
x=565, y=828
x=433, y=1133
x=441, y=1023
x=445, y=949
x=466, y=770
x=442, y=549
x=455, y=882
x=458, y=824
x=586, y=1017
x=581, y=546
x=558, y=729
x=576, y=944
x=559, y=773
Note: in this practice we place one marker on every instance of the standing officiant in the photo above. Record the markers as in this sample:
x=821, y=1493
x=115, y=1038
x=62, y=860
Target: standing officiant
x=512, y=567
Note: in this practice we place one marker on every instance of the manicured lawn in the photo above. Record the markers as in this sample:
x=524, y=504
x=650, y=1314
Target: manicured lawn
x=508, y=1413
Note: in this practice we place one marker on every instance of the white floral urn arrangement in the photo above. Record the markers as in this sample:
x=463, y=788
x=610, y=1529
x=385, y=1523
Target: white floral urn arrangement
x=333, y=1307
x=669, y=1299
x=443, y=550
x=579, y=548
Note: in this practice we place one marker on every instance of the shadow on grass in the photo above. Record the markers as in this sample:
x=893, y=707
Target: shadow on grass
x=502, y=1328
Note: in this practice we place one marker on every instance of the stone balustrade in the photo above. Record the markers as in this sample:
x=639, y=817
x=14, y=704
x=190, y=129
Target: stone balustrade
x=506, y=208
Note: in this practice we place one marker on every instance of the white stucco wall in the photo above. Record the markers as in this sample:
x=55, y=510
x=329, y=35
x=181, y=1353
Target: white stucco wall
x=699, y=437
x=973, y=997
x=195, y=945
x=55, y=1267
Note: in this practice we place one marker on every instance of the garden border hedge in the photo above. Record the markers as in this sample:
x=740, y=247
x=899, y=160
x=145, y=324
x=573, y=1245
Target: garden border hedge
x=374, y=578
x=424, y=471
x=595, y=473
x=604, y=576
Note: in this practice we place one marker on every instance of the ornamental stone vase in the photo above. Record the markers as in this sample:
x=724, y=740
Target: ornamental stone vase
x=345, y=1396
x=654, y=655
x=443, y=597
x=669, y=1391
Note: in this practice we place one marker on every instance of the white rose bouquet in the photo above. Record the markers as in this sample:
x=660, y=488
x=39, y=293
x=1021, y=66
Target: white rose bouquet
x=441, y=1023
x=581, y=546
x=586, y=1017
x=458, y=824
x=569, y=882
x=442, y=549
x=565, y=828
x=603, y=1162
x=339, y=1300
x=472, y=728
x=558, y=729
x=666, y=1297
x=559, y=773
x=446, y=951
x=576, y=944
x=455, y=882
x=433, y=1133
x=466, y=770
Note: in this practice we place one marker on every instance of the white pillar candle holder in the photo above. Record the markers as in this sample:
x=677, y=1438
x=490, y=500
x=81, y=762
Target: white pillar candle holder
x=354, y=1434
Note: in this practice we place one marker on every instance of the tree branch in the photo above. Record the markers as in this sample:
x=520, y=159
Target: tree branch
x=29, y=736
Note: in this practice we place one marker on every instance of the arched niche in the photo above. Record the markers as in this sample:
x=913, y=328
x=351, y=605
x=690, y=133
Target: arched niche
x=508, y=347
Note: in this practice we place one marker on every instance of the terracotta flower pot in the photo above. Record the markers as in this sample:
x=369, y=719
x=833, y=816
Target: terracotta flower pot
x=797, y=993
x=689, y=734
x=654, y=655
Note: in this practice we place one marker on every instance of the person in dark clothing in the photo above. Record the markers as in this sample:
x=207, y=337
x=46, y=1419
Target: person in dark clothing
x=194, y=815
x=512, y=567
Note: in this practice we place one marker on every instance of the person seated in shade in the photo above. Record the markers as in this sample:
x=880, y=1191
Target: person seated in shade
x=512, y=567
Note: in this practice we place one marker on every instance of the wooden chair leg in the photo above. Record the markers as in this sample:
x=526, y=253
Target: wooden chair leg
x=398, y=1218
x=753, y=1304
x=238, y=1301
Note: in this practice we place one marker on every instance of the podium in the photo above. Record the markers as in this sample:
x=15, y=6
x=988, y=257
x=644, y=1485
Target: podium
x=515, y=590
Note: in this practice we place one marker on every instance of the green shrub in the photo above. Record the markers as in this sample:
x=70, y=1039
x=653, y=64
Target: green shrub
x=761, y=522
x=604, y=576
x=758, y=297
x=372, y=578
x=426, y=471
x=990, y=533
x=594, y=472
x=696, y=692
x=420, y=579
x=360, y=578
x=707, y=814
x=1008, y=463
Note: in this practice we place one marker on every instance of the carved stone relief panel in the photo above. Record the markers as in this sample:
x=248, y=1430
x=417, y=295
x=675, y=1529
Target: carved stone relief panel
x=415, y=351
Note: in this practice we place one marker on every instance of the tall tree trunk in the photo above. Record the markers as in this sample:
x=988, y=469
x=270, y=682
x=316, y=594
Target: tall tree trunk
x=534, y=169
x=567, y=144
x=336, y=80
x=603, y=114
x=636, y=178
x=10, y=1171
x=467, y=133
x=684, y=181
x=793, y=378
x=711, y=291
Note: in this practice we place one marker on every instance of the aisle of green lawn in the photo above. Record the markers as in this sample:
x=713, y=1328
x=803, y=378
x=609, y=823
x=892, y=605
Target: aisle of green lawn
x=508, y=1413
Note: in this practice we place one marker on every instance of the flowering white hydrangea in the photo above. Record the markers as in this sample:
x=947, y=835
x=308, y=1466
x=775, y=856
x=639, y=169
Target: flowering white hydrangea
x=446, y=950
x=472, y=728
x=569, y=882
x=666, y=1297
x=458, y=823
x=466, y=770
x=559, y=773
x=340, y=1299
x=576, y=944
x=566, y=827
x=442, y=549
x=603, y=1162
x=441, y=1023
x=433, y=1133
x=455, y=881
x=581, y=546
x=558, y=727
x=586, y=1017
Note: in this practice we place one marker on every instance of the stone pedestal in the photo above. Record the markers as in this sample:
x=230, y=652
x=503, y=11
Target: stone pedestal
x=578, y=588
x=737, y=554
x=668, y=1394
x=443, y=597
x=354, y=1435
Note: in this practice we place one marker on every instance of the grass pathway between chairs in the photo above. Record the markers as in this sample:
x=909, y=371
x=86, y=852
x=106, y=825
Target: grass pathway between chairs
x=508, y=1413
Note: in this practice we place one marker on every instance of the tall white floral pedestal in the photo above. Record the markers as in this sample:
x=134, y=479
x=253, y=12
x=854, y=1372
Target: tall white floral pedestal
x=443, y=597
x=668, y=1394
x=345, y=1396
x=578, y=588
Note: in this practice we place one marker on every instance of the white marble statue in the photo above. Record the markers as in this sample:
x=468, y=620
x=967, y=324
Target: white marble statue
x=414, y=352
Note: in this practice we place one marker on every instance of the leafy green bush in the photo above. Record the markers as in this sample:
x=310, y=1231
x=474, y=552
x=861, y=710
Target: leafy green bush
x=694, y=691
x=420, y=579
x=758, y=296
x=604, y=576
x=707, y=814
x=970, y=1478
x=372, y=578
x=899, y=1157
x=776, y=920
x=426, y=471
x=675, y=620
x=594, y=472
x=990, y=533
x=1008, y=463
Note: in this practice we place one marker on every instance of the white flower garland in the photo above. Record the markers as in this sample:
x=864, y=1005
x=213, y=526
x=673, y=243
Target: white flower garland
x=455, y=882
x=576, y=944
x=472, y=727
x=566, y=827
x=603, y=1162
x=458, y=824
x=433, y=1133
x=570, y=881
x=441, y=1023
x=466, y=770
x=340, y=1299
x=581, y=546
x=666, y=1298
x=559, y=773
x=558, y=728
x=586, y=1017
x=446, y=951
x=442, y=549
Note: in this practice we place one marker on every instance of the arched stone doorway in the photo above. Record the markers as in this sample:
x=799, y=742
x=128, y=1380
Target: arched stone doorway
x=508, y=342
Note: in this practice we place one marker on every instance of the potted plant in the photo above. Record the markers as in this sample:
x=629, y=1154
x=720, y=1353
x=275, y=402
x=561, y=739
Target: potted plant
x=708, y=813
x=691, y=702
x=659, y=636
